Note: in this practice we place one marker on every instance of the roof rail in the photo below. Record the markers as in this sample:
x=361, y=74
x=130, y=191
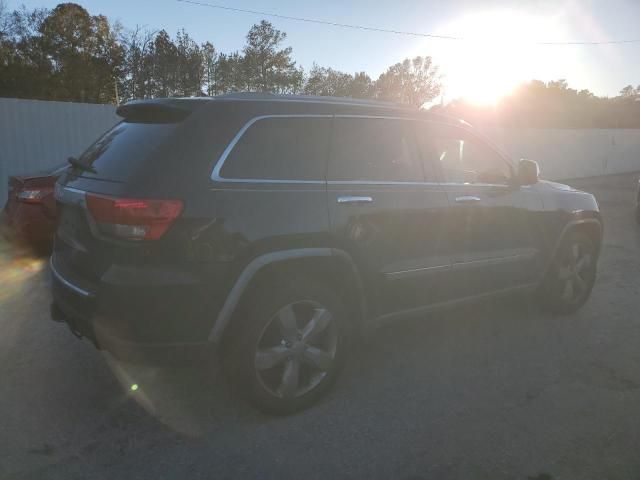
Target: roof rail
x=274, y=97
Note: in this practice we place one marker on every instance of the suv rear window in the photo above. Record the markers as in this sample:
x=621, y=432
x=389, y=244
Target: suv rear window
x=120, y=151
x=281, y=148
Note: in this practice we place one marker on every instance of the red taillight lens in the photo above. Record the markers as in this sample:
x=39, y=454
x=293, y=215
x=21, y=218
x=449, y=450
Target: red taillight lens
x=133, y=218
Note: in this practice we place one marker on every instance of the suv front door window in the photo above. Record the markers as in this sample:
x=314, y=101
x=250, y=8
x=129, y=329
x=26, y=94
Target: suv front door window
x=468, y=160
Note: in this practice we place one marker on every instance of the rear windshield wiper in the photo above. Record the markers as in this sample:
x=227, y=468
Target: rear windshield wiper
x=75, y=163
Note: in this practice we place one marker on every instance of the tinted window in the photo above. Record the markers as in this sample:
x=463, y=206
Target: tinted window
x=281, y=149
x=429, y=153
x=120, y=151
x=464, y=158
x=374, y=150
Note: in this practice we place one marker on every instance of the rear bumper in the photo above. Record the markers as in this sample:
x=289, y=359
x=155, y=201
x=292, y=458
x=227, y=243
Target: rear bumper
x=134, y=352
x=112, y=322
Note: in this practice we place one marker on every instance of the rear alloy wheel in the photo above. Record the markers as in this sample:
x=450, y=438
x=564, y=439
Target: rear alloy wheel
x=290, y=347
x=572, y=276
x=296, y=349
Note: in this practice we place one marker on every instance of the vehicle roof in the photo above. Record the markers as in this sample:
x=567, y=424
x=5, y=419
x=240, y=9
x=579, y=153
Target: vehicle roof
x=195, y=103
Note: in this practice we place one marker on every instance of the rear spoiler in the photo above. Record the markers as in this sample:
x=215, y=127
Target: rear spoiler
x=156, y=112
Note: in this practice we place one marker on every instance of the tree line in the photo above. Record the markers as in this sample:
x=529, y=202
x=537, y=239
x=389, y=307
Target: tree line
x=70, y=55
x=553, y=104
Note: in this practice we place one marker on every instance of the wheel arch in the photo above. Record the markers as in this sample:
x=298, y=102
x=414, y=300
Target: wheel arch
x=590, y=226
x=329, y=264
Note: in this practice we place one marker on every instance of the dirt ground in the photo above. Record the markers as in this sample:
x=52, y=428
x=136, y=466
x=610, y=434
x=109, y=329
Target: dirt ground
x=497, y=390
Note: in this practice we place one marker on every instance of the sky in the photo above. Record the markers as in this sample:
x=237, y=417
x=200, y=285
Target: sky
x=498, y=52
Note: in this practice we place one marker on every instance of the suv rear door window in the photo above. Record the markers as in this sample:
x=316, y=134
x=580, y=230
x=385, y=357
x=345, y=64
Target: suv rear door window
x=374, y=149
x=286, y=148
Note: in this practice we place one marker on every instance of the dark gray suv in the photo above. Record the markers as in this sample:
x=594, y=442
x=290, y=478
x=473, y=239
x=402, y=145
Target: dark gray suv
x=275, y=229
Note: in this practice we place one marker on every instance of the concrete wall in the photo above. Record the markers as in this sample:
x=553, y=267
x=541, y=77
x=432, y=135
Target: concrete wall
x=573, y=153
x=36, y=135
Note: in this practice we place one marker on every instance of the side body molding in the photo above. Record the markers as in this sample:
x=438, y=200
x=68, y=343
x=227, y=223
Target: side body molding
x=243, y=281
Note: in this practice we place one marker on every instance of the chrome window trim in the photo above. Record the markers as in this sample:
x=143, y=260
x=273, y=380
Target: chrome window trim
x=216, y=177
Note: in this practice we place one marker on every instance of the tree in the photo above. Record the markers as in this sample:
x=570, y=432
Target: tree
x=267, y=67
x=164, y=57
x=230, y=74
x=327, y=82
x=330, y=82
x=628, y=91
x=361, y=86
x=554, y=104
x=189, y=66
x=138, y=63
x=4, y=20
x=413, y=81
x=85, y=56
x=210, y=67
x=25, y=70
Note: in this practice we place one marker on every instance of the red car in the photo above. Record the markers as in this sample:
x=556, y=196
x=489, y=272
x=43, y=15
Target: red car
x=30, y=214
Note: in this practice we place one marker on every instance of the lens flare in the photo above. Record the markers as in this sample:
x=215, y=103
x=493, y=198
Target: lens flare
x=17, y=265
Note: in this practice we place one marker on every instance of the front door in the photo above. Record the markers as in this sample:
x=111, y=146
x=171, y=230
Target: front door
x=490, y=225
x=385, y=214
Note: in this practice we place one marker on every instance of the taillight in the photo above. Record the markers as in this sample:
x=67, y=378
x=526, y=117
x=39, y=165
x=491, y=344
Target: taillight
x=34, y=195
x=133, y=218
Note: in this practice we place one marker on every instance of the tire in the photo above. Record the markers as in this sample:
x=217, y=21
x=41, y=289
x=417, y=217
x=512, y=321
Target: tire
x=290, y=345
x=570, y=279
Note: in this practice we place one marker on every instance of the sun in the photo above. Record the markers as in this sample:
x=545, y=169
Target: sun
x=498, y=53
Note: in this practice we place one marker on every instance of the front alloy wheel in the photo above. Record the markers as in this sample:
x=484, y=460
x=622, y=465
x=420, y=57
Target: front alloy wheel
x=574, y=273
x=571, y=278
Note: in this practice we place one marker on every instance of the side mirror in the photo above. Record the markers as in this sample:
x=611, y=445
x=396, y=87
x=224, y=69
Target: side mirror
x=528, y=172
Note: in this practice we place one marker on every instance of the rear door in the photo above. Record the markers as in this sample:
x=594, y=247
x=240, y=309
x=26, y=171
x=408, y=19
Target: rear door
x=385, y=213
x=490, y=225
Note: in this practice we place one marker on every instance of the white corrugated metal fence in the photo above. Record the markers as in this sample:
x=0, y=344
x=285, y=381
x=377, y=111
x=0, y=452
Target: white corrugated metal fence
x=36, y=135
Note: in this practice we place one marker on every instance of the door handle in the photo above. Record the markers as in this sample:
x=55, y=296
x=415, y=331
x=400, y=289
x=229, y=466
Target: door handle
x=468, y=199
x=354, y=199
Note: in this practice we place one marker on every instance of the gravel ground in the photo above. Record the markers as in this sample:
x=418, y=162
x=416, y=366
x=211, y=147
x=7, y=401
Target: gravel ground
x=496, y=390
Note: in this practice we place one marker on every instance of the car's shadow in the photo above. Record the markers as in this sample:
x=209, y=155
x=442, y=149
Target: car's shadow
x=193, y=399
